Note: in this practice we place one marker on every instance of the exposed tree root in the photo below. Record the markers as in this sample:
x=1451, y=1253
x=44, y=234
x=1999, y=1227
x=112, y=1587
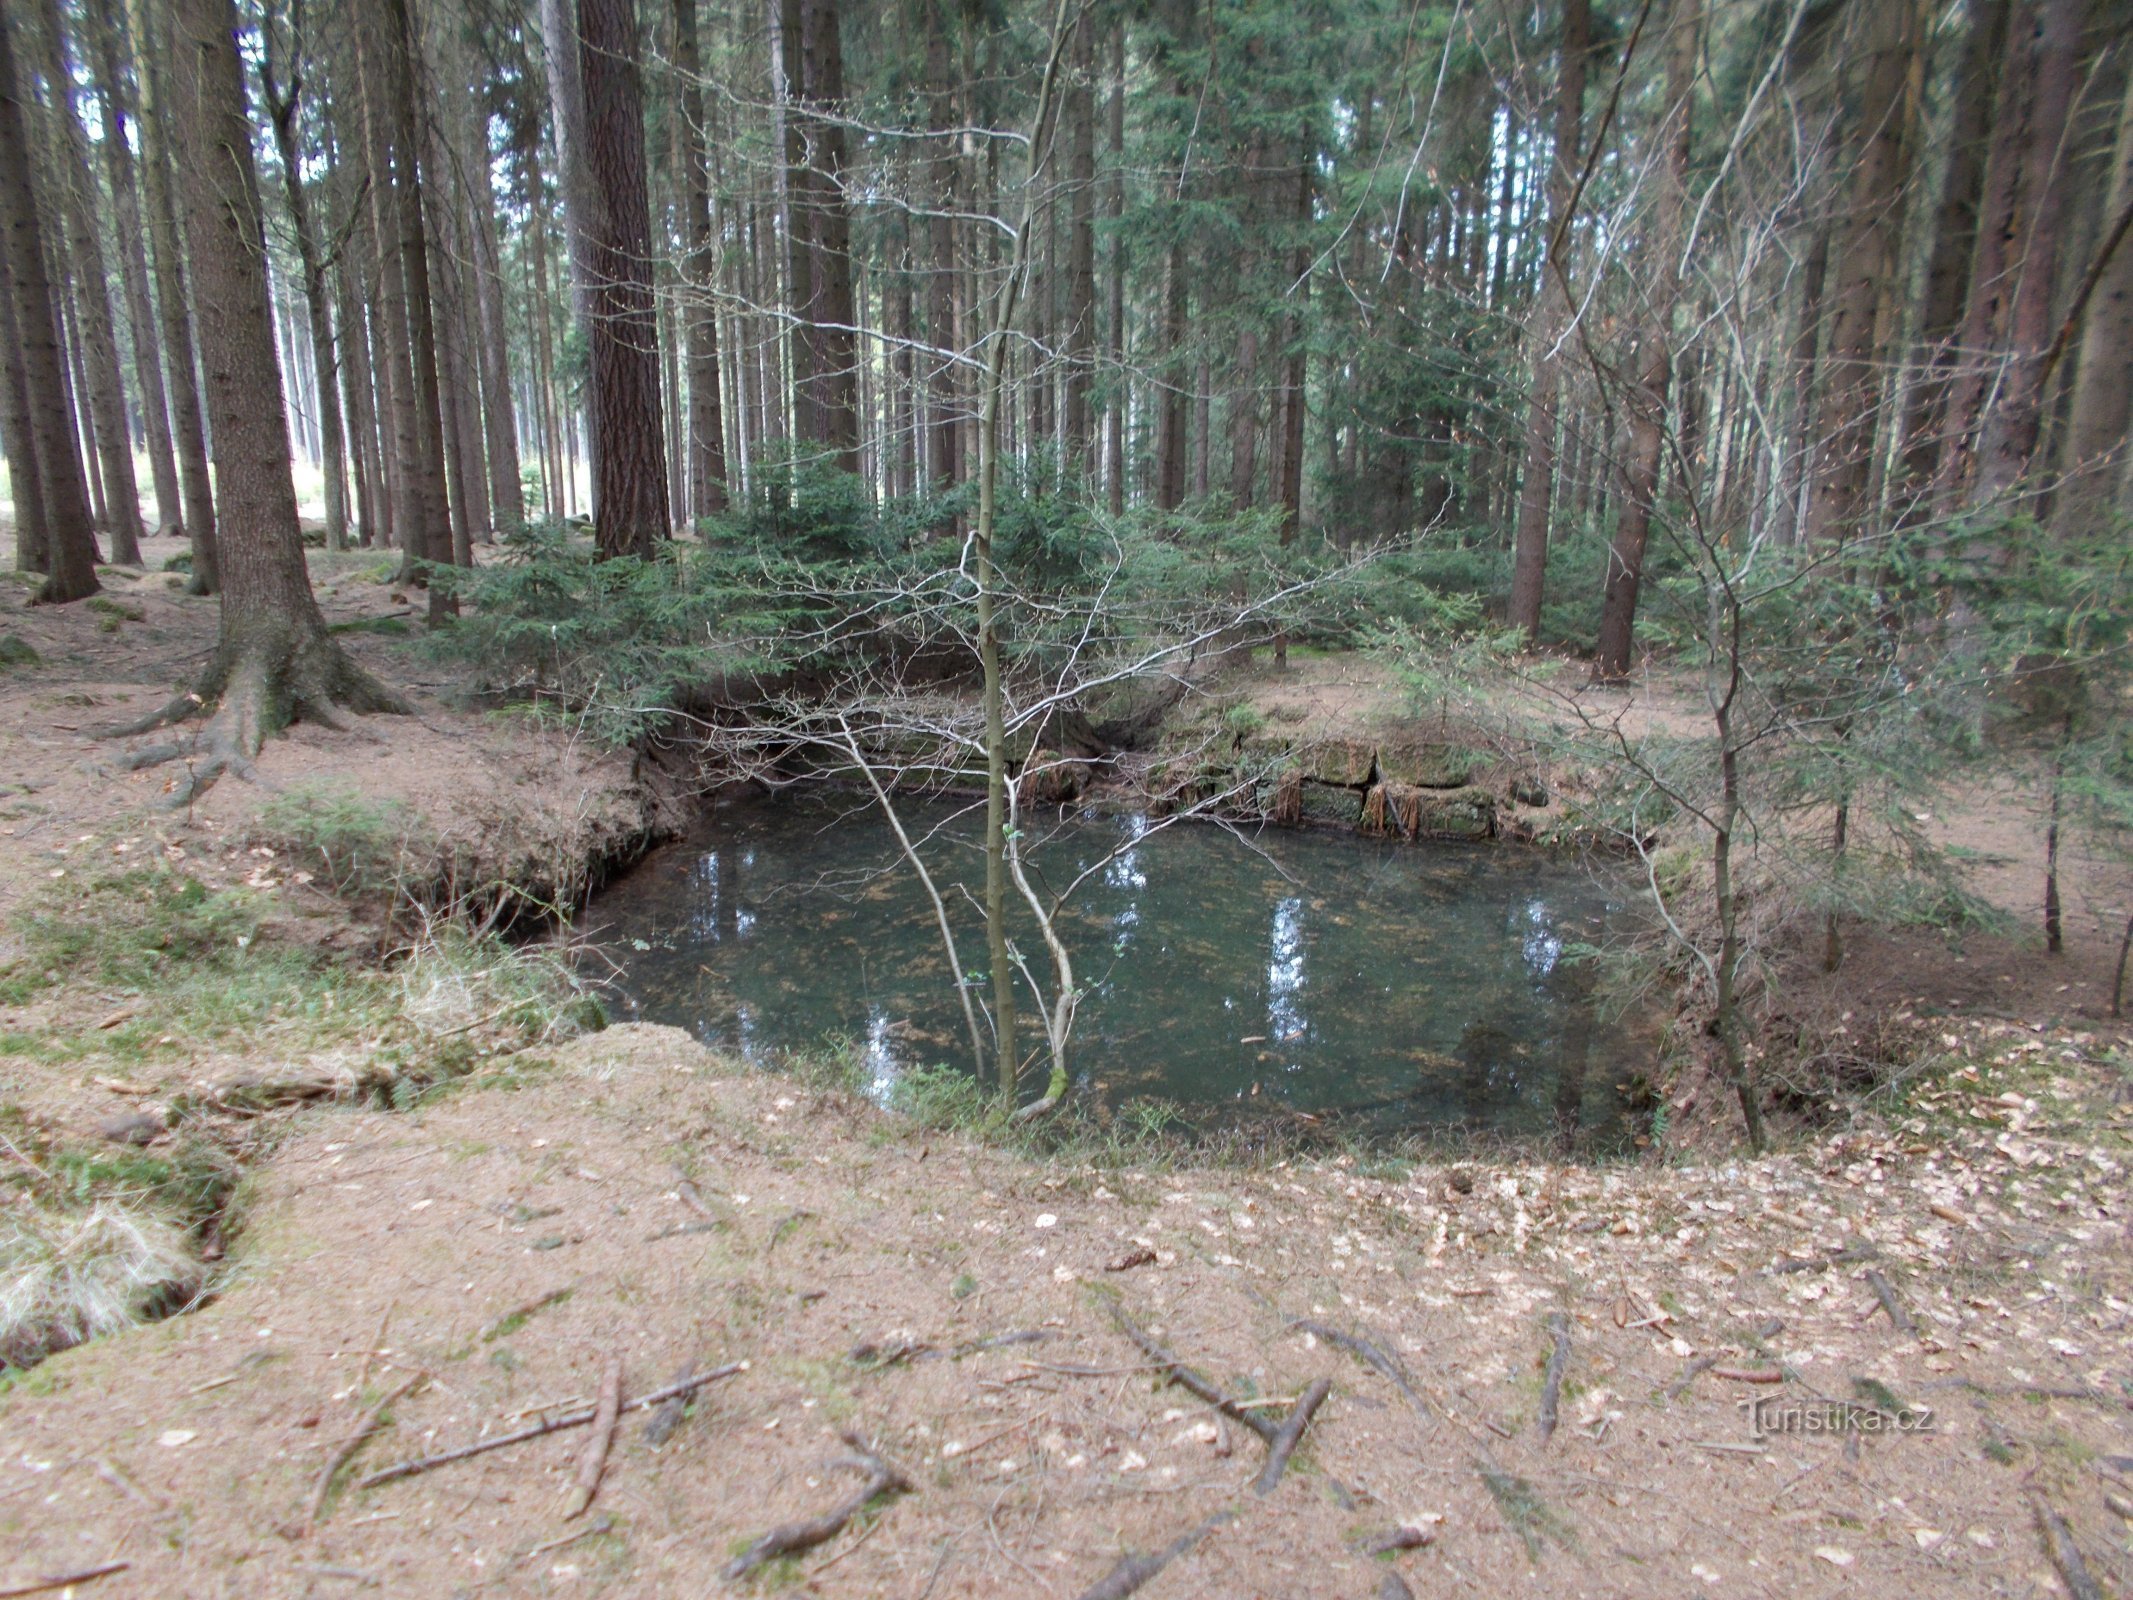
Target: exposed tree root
x=1290, y=1435
x=1364, y=1350
x=1192, y=1382
x=1552, y=1385
x=1133, y=1571
x=255, y=692
x=791, y=1537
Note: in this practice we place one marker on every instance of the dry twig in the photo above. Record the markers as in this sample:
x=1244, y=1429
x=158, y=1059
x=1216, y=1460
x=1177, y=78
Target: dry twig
x=571, y=1419
x=1899, y=1319
x=593, y=1461
x=1284, y=1443
x=64, y=1580
x=2066, y=1555
x=1552, y=1385
x=1133, y=1571
x=372, y=1420
x=790, y=1537
x=1192, y=1382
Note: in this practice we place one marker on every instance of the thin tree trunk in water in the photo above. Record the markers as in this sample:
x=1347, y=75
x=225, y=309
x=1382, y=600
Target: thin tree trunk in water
x=2103, y=381
x=1529, y=561
x=188, y=429
x=70, y=546
x=275, y=661
x=630, y=485
x=283, y=104
x=107, y=395
x=115, y=96
x=1648, y=398
x=706, y=428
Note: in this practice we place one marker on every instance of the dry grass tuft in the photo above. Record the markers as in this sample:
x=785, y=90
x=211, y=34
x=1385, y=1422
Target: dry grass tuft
x=68, y=1277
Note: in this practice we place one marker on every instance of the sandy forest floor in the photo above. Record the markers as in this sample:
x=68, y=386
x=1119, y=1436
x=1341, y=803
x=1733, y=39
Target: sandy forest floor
x=487, y=1258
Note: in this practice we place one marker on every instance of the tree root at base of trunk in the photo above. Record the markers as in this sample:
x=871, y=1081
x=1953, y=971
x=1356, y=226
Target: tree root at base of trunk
x=255, y=692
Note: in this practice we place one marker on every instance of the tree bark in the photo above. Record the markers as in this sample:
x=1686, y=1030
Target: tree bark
x=1648, y=397
x=629, y=460
x=284, y=101
x=1529, y=560
x=69, y=536
x=275, y=662
x=26, y=488
x=827, y=383
x=93, y=318
x=1115, y=323
x=2103, y=378
x=118, y=116
x=706, y=428
x=1079, y=343
x=173, y=305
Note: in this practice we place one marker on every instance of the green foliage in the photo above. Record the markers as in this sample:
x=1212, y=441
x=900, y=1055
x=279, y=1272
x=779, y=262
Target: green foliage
x=16, y=651
x=128, y=928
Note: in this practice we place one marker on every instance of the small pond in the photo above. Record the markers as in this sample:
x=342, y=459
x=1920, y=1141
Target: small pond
x=1377, y=987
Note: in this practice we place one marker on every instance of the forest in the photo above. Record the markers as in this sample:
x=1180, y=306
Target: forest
x=1156, y=755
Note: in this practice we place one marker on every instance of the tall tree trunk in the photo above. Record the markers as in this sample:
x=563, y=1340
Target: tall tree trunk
x=188, y=430
x=507, y=495
x=284, y=99
x=1955, y=232
x=33, y=544
x=70, y=542
x=275, y=662
x=1080, y=341
x=1529, y=561
x=566, y=99
x=1879, y=124
x=1171, y=398
x=107, y=394
x=826, y=385
x=1115, y=323
x=1648, y=397
x=944, y=403
x=706, y=429
x=629, y=460
x=2103, y=380
x=2014, y=420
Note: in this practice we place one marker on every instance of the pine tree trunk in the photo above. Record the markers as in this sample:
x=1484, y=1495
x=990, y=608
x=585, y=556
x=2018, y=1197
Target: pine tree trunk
x=69, y=538
x=1115, y=323
x=1080, y=341
x=566, y=98
x=2103, y=379
x=1841, y=503
x=1529, y=560
x=827, y=384
x=1171, y=399
x=181, y=369
x=275, y=661
x=1648, y=398
x=26, y=489
x=283, y=107
x=630, y=486
x=2013, y=424
x=706, y=427
x=107, y=395
x=944, y=402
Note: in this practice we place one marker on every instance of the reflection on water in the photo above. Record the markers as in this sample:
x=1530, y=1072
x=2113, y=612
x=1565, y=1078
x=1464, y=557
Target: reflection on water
x=1384, y=986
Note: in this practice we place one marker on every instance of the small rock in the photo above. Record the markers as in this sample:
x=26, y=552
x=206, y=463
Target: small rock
x=136, y=1127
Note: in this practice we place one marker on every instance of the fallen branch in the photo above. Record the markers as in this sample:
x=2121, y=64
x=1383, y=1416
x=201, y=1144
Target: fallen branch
x=370, y=1424
x=570, y=1419
x=1697, y=1368
x=1899, y=1319
x=1132, y=1571
x=1552, y=1385
x=2065, y=1554
x=593, y=1461
x=1284, y=1443
x=590, y=1531
x=1749, y=1374
x=65, y=1579
x=792, y=1537
x=1374, y=1355
x=1191, y=1382
x=670, y=1412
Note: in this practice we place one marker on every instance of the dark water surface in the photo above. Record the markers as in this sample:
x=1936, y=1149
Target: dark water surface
x=1380, y=987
